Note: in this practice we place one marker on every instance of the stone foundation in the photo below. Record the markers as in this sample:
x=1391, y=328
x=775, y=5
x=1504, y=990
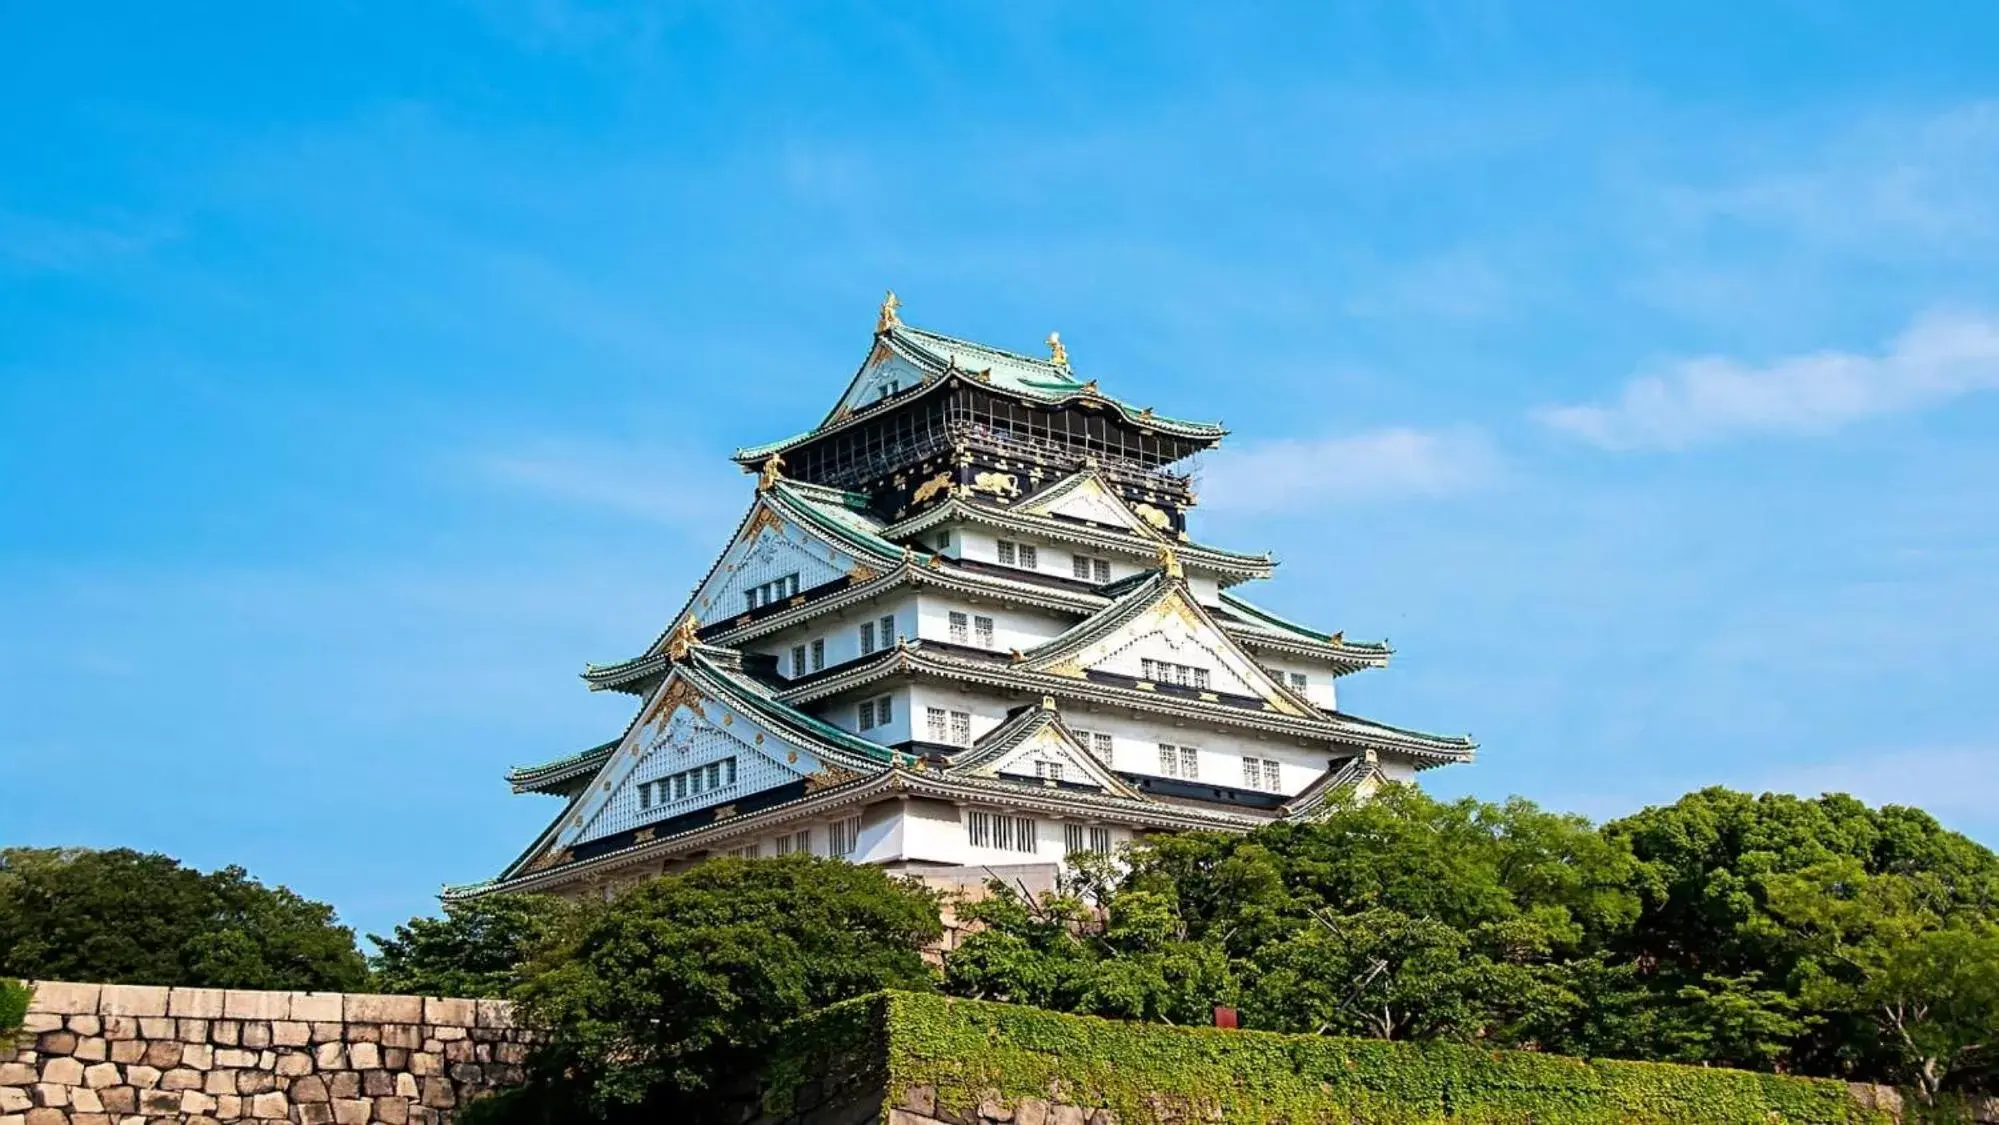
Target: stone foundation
x=124, y=1054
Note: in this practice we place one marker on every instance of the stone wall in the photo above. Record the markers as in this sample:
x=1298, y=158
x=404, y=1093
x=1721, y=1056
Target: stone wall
x=110, y=1054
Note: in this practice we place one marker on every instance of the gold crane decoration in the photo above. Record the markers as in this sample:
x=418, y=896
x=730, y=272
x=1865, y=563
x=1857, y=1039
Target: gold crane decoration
x=773, y=471
x=1057, y=354
x=887, y=318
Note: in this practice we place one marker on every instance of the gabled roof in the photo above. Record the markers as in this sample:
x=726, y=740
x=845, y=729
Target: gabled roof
x=937, y=357
x=1358, y=775
x=1028, y=728
x=556, y=777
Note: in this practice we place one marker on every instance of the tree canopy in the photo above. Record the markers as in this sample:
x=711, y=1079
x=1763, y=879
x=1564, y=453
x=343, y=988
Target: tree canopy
x=478, y=948
x=135, y=918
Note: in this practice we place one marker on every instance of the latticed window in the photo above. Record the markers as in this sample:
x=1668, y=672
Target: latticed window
x=843, y=837
x=1007, y=556
x=818, y=655
x=797, y=661
x=1167, y=672
x=867, y=637
x=1048, y=771
x=868, y=716
x=961, y=728
x=1179, y=761
x=998, y=830
x=960, y=628
x=1299, y=681
x=888, y=631
x=1027, y=561
x=1092, y=569
x=1261, y=773
x=936, y=722
x=1016, y=554
x=982, y=631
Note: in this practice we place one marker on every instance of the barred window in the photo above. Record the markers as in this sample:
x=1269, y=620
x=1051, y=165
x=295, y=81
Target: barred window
x=1261, y=773
x=888, y=631
x=867, y=637
x=961, y=728
x=843, y=837
x=1027, y=561
x=797, y=661
x=688, y=783
x=818, y=655
x=982, y=631
x=1097, y=743
x=1179, y=761
x=868, y=716
x=934, y=721
x=771, y=592
x=998, y=830
x=884, y=711
x=1048, y=771
x=959, y=624
x=795, y=843
x=1086, y=838
x=1299, y=681
x=1167, y=672
x=1006, y=554
x=1092, y=569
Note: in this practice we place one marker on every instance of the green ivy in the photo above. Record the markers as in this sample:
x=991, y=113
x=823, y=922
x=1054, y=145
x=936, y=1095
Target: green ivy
x=14, y=997
x=970, y=1051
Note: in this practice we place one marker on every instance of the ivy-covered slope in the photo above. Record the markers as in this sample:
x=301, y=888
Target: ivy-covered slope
x=970, y=1052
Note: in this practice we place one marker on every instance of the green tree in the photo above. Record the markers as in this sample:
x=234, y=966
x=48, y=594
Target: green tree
x=120, y=915
x=477, y=949
x=660, y=999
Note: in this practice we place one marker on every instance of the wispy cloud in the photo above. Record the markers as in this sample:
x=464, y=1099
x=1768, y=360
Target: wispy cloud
x=37, y=243
x=1958, y=783
x=1352, y=469
x=1712, y=398
x=650, y=484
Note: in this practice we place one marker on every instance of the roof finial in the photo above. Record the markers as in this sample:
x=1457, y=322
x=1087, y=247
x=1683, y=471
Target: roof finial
x=682, y=638
x=1057, y=354
x=1169, y=561
x=773, y=471
x=887, y=318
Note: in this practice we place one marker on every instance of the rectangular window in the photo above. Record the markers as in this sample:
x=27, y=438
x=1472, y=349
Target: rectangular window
x=1100, y=840
x=1201, y=678
x=982, y=631
x=1048, y=771
x=1074, y=838
x=1169, y=760
x=750, y=598
x=961, y=728
x=843, y=837
x=868, y=716
x=888, y=631
x=797, y=661
x=1167, y=672
x=1190, y=763
x=645, y=796
x=795, y=843
x=728, y=771
x=1026, y=557
x=818, y=655
x=1082, y=566
x=1147, y=670
x=935, y=720
x=1006, y=555
x=1100, y=745
x=867, y=637
x=679, y=786
x=959, y=624
x=694, y=783
x=1100, y=571
x=749, y=851
x=1086, y=838
x=1299, y=682
x=714, y=775
x=884, y=711
x=998, y=830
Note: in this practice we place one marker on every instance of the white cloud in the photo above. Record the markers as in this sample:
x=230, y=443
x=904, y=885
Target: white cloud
x=654, y=485
x=1359, y=468
x=1711, y=398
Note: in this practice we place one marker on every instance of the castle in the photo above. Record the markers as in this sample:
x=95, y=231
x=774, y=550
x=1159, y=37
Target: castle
x=963, y=626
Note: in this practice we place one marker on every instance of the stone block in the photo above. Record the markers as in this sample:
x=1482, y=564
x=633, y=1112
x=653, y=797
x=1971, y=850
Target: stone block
x=93, y=1049
x=228, y=1107
x=311, y=1088
x=67, y=1071
x=330, y=1056
x=448, y=1033
x=235, y=1058
x=120, y=1027
x=364, y=1056
x=405, y=1035
x=17, y=1074
x=194, y=1102
x=362, y=1032
x=362, y=1007
x=495, y=1013
x=64, y=999
x=291, y=1064
x=406, y=1086
x=323, y=1007
x=255, y=1081
x=158, y=1027
x=101, y=1075
x=467, y=1073
x=132, y=1000
x=392, y=1110
x=56, y=1042
x=270, y=1107
x=128, y=1050
x=458, y=1050
x=334, y=1032
x=343, y=1084
x=1067, y=1115
x=219, y=1082
x=378, y=1083
x=163, y=1053
x=515, y=1053
x=46, y=1117
x=1031, y=1111
x=196, y=1003
x=86, y=1025
x=423, y=1063
x=225, y=1033
x=315, y=1113
x=395, y=1058
x=181, y=1078
x=246, y=1004
x=84, y=1101
x=275, y=1033
x=438, y=1009
x=34, y=1023
x=990, y=1110
x=200, y=1056
x=352, y=1111
x=119, y=1099
x=159, y=1101
x=438, y=1094
x=13, y=1099
x=193, y=1031
x=142, y=1076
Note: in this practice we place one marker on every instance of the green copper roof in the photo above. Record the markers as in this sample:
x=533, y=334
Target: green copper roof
x=1038, y=380
x=548, y=776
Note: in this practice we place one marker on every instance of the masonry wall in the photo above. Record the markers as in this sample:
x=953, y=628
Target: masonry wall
x=123, y=1054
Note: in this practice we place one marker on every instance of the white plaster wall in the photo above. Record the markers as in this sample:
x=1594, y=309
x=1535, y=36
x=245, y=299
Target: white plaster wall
x=987, y=711
x=1135, y=748
x=1052, y=556
x=845, y=712
x=1014, y=627
x=842, y=630
x=1319, y=687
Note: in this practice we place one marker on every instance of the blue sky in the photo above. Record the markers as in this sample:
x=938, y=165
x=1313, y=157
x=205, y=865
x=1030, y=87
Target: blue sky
x=364, y=372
